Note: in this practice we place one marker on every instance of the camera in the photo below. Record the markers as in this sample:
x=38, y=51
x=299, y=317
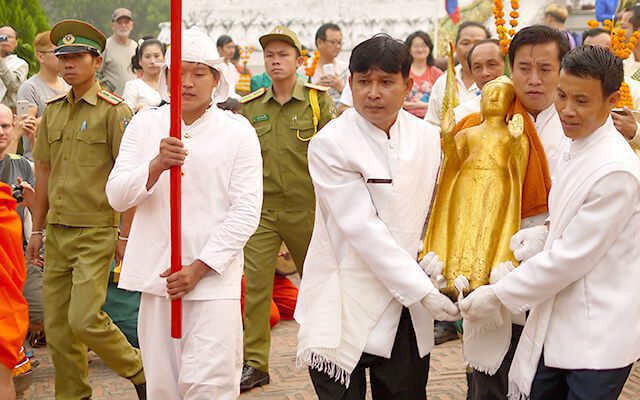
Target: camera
x=3, y=38
x=16, y=192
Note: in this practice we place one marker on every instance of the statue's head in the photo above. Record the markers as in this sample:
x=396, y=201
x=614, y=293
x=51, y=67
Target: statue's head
x=497, y=97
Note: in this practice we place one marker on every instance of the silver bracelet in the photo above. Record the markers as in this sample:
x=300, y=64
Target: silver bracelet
x=123, y=238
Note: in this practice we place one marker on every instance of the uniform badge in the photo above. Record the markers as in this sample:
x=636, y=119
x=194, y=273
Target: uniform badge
x=68, y=39
x=123, y=123
x=261, y=118
x=278, y=31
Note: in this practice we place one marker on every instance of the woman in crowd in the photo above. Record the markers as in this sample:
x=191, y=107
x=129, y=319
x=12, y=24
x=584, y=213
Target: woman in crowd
x=423, y=72
x=143, y=92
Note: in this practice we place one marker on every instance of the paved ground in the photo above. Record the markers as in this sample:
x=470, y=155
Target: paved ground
x=446, y=380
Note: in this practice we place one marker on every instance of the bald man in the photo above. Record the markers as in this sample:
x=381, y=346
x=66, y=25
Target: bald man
x=13, y=70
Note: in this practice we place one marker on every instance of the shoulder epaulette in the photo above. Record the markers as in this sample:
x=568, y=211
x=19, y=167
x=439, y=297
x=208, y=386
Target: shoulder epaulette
x=110, y=98
x=253, y=95
x=57, y=98
x=316, y=87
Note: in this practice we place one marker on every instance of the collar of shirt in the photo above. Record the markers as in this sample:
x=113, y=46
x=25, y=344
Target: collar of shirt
x=90, y=96
x=472, y=88
x=543, y=117
x=378, y=135
x=197, y=126
x=298, y=92
x=578, y=145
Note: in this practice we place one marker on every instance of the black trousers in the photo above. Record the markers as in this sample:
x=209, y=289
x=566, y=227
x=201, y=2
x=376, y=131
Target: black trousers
x=496, y=387
x=401, y=377
x=578, y=384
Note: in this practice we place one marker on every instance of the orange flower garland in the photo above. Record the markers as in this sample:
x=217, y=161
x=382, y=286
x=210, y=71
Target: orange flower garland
x=505, y=34
x=310, y=70
x=622, y=49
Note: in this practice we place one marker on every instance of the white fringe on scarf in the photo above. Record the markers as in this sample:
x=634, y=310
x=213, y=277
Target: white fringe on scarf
x=515, y=393
x=323, y=363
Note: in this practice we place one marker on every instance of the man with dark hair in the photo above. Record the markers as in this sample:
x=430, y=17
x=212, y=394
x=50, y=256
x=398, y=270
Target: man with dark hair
x=578, y=281
x=365, y=302
x=285, y=116
x=535, y=55
x=630, y=22
x=330, y=71
x=13, y=69
x=486, y=62
x=469, y=33
x=76, y=147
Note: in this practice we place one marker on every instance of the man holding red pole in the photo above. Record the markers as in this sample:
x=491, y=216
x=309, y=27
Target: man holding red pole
x=219, y=154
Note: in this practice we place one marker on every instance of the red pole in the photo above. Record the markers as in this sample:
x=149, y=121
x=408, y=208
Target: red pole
x=175, y=172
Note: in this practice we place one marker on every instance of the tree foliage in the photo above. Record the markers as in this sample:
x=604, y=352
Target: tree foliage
x=28, y=19
x=147, y=14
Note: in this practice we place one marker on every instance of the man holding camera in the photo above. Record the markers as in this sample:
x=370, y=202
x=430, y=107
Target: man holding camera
x=13, y=69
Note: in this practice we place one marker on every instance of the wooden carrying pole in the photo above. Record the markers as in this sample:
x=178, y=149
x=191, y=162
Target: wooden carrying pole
x=175, y=172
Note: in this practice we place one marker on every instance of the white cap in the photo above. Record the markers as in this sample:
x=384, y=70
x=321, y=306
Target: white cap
x=197, y=47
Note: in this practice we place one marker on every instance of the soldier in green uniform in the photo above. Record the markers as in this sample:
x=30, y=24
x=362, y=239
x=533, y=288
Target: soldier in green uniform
x=76, y=148
x=286, y=116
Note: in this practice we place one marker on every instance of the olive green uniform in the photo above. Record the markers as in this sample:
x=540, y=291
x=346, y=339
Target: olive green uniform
x=80, y=143
x=288, y=205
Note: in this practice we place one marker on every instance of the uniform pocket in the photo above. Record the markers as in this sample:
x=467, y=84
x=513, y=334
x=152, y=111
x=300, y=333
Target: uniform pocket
x=53, y=135
x=91, y=146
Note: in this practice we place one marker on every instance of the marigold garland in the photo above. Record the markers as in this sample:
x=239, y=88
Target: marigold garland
x=622, y=49
x=505, y=35
x=310, y=70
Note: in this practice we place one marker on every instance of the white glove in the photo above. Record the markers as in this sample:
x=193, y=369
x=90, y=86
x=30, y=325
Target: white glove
x=528, y=242
x=432, y=266
x=500, y=271
x=480, y=304
x=440, y=307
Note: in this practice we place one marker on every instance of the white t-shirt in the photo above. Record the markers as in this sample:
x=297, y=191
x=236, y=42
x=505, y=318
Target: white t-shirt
x=137, y=91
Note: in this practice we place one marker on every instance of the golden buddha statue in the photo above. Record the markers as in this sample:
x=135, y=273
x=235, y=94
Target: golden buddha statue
x=477, y=207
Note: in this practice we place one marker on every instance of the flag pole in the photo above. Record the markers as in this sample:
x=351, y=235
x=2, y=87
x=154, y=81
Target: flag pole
x=175, y=176
x=436, y=30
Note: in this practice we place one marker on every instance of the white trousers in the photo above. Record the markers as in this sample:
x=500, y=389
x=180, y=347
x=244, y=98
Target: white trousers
x=205, y=364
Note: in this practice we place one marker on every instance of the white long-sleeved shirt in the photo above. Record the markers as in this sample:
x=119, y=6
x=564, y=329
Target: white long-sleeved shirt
x=221, y=200
x=549, y=129
x=358, y=226
x=590, y=264
x=434, y=112
x=13, y=73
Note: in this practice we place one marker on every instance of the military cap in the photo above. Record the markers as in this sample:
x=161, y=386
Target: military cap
x=283, y=33
x=73, y=36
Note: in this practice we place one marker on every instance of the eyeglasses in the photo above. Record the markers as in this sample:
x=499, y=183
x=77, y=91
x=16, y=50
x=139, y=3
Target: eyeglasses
x=336, y=43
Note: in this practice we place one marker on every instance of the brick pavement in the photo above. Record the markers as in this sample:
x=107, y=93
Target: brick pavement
x=446, y=380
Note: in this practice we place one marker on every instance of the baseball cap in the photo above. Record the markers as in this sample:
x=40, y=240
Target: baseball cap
x=121, y=13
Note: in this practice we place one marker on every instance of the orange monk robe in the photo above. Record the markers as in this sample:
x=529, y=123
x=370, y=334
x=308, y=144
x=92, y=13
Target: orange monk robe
x=537, y=182
x=14, y=315
x=285, y=297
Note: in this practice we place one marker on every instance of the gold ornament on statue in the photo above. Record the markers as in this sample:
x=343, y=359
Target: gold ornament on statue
x=478, y=202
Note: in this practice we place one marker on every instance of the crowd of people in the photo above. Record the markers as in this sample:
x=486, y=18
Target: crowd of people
x=328, y=167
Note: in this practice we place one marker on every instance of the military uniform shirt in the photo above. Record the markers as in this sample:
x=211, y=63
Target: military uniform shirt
x=80, y=142
x=287, y=184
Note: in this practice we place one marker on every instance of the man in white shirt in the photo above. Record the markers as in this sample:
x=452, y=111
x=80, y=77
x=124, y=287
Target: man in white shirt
x=116, y=69
x=13, y=69
x=583, y=275
x=221, y=200
x=535, y=55
x=469, y=33
x=226, y=49
x=330, y=71
x=486, y=63
x=365, y=302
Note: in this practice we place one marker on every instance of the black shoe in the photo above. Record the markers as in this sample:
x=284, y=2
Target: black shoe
x=444, y=332
x=141, y=391
x=252, y=377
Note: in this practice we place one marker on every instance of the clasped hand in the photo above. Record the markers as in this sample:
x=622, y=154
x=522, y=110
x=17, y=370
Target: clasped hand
x=180, y=283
